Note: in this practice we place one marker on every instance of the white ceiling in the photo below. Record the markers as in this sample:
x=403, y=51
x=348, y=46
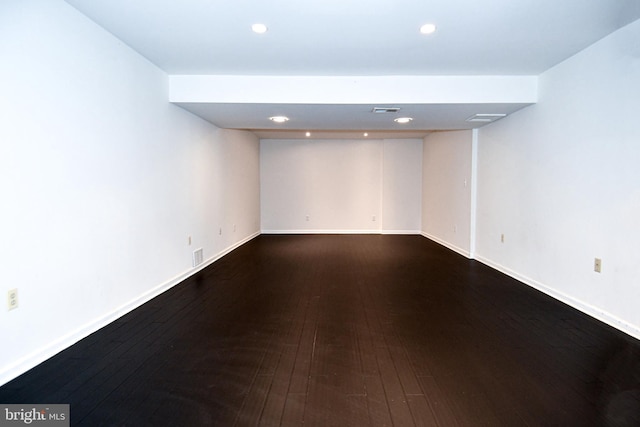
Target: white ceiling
x=346, y=117
x=355, y=38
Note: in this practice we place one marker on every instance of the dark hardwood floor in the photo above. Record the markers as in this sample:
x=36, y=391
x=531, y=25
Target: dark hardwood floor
x=335, y=330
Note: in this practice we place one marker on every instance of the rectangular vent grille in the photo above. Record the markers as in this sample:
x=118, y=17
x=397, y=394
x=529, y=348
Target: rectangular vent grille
x=486, y=117
x=385, y=110
x=197, y=257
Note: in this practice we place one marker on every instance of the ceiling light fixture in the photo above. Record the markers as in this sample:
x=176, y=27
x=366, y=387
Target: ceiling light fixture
x=308, y=134
x=403, y=120
x=365, y=134
x=279, y=119
x=428, y=29
x=259, y=28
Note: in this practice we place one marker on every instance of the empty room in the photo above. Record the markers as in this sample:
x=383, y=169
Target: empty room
x=326, y=213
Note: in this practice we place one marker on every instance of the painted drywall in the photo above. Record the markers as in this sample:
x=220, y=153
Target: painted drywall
x=561, y=181
x=323, y=186
x=401, y=185
x=320, y=185
x=102, y=181
x=446, y=189
x=353, y=89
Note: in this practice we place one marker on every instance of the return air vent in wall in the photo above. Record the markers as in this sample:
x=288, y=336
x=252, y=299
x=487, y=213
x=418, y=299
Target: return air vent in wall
x=197, y=257
x=380, y=110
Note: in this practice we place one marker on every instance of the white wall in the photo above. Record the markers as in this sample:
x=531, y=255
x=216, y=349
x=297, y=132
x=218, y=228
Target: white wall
x=561, y=180
x=341, y=185
x=102, y=181
x=446, y=189
x=401, y=186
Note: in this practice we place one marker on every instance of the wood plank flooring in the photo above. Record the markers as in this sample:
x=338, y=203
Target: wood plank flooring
x=345, y=330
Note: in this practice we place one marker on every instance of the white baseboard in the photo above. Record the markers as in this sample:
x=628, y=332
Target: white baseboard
x=51, y=349
x=448, y=245
x=402, y=232
x=324, y=231
x=587, y=309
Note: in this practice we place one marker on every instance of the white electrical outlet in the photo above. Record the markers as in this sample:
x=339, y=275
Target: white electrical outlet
x=12, y=299
x=597, y=265
x=307, y=218
x=373, y=218
x=502, y=238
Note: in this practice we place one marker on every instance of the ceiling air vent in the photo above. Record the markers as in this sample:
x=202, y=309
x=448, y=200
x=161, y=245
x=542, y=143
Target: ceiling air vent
x=385, y=110
x=486, y=117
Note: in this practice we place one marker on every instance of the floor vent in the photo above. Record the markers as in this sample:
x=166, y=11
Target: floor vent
x=197, y=257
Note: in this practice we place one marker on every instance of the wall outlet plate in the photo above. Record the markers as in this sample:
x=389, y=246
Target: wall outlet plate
x=12, y=299
x=597, y=265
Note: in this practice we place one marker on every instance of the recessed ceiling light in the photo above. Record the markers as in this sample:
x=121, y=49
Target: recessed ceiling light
x=259, y=28
x=308, y=134
x=403, y=120
x=365, y=134
x=279, y=119
x=428, y=29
